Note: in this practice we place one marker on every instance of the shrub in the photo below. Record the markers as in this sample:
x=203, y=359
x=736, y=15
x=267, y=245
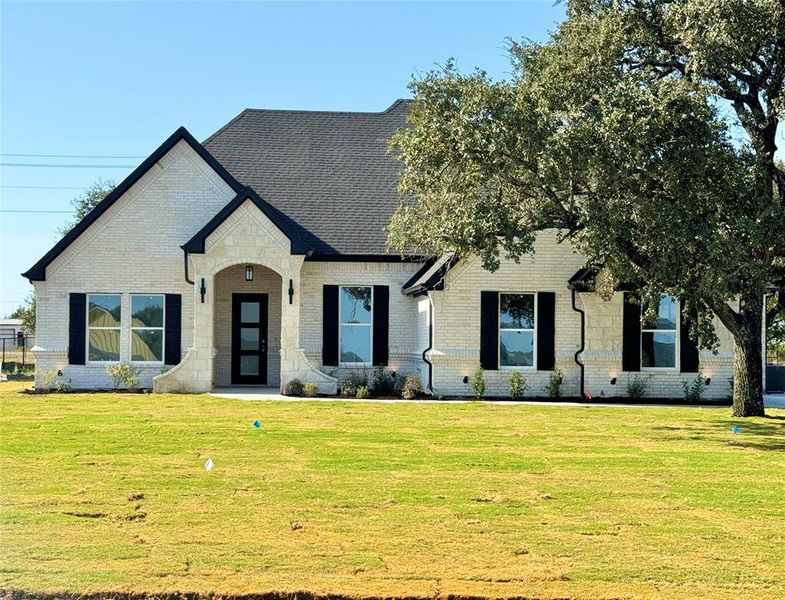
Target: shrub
x=477, y=383
x=362, y=392
x=693, y=390
x=310, y=390
x=383, y=383
x=412, y=387
x=48, y=379
x=555, y=383
x=294, y=388
x=637, y=387
x=518, y=385
x=124, y=373
x=352, y=383
x=63, y=387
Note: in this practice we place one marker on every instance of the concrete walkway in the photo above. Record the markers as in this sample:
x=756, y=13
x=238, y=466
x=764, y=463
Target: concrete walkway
x=774, y=400
x=273, y=393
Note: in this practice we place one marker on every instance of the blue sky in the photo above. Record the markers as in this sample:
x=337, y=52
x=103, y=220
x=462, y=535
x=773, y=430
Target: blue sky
x=115, y=79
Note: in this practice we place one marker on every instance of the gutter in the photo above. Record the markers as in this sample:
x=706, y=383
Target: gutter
x=578, y=361
x=430, y=346
x=185, y=262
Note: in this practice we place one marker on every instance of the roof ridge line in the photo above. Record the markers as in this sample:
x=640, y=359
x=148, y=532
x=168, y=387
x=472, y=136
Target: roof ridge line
x=322, y=112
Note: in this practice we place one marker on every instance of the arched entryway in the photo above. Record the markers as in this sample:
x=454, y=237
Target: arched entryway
x=247, y=326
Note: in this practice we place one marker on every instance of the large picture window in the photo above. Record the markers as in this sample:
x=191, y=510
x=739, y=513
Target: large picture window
x=103, y=327
x=147, y=328
x=516, y=330
x=658, y=339
x=355, y=325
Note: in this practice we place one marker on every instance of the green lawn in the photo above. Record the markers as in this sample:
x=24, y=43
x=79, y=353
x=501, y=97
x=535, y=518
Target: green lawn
x=109, y=493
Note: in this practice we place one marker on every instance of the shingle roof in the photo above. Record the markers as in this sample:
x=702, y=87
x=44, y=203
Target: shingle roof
x=327, y=172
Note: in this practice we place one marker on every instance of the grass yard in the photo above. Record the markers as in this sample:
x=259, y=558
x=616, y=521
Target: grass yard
x=106, y=493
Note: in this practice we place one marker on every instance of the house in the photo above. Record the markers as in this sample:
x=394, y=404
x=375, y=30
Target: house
x=258, y=256
x=10, y=329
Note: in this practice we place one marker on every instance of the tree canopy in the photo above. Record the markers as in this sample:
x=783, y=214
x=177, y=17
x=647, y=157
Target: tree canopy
x=26, y=312
x=87, y=201
x=643, y=130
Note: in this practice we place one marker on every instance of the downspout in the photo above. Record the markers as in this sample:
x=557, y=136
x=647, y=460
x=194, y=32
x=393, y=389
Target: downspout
x=185, y=262
x=578, y=361
x=430, y=345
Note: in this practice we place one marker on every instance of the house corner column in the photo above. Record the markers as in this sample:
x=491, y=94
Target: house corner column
x=194, y=373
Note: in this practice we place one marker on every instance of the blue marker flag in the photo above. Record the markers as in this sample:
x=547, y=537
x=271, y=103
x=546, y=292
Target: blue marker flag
x=736, y=429
x=257, y=424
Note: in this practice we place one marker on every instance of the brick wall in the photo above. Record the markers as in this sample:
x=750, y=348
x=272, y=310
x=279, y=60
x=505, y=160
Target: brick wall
x=457, y=331
x=134, y=247
x=405, y=340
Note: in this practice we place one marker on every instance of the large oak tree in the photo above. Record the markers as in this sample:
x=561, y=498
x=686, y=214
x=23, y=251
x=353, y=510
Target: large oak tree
x=645, y=131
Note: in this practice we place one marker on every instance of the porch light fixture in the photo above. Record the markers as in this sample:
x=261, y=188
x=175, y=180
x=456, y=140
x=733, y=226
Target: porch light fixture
x=249, y=272
x=291, y=291
x=202, y=290
x=613, y=381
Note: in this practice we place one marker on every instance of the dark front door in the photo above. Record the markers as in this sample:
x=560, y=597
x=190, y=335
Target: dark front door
x=249, y=338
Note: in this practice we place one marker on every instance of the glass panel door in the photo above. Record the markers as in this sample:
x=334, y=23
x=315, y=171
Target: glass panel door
x=249, y=339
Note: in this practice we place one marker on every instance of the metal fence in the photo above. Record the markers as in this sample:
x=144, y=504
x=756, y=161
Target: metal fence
x=775, y=355
x=16, y=352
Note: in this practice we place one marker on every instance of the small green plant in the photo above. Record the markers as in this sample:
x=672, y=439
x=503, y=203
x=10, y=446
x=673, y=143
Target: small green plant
x=477, y=383
x=518, y=385
x=24, y=371
x=555, y=383
x=412, y=387
x=63, y=387
x=693, y=390
x=638, y=387
x=383, y=383
x=362, y=392
x=124, y=374
x=294, y=388
x=48, y=379
x=310, y=390
x=352, y=383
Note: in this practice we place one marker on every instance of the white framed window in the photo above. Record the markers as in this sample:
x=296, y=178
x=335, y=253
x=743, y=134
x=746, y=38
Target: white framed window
x=355, y=326
x=104, y=321
x=517, y=330
x=147, y=328
x=659, y=340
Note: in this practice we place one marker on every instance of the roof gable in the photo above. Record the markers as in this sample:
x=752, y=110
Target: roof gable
x=196, y=244
x=38, y=271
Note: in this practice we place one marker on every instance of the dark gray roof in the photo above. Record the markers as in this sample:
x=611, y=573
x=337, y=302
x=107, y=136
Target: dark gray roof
x=327, y=172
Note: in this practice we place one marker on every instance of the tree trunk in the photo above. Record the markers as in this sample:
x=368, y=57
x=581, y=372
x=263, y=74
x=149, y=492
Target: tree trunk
x=748, y=361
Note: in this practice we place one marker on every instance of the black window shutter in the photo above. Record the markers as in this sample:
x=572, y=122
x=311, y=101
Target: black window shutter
x=489, y=330
x=546, y=331
x=330, y=325
x=631, y=335
x=381, y=325
x=688, y=348
x=173, y=334
x=77, y=325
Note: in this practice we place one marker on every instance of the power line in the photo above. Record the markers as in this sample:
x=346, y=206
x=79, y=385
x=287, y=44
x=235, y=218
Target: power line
x=68, y=166
x=41, y=187
x=36, y=211
x=69, y=155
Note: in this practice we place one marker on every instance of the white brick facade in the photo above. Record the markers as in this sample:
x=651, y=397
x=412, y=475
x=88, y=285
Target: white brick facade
x=134, y=247
x=455, y=354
